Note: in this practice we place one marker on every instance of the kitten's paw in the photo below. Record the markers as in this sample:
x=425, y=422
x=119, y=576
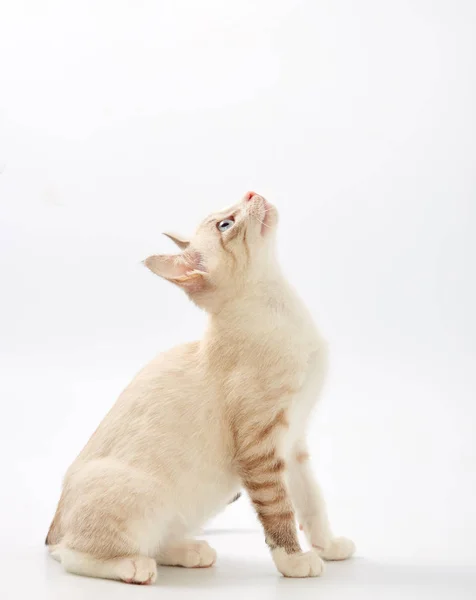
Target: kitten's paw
x=140, y=570
x=302, y=564
x=340, y=548
x=200, y=555
x=191, y=554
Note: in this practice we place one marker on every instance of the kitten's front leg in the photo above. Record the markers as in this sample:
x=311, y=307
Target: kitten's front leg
x=263, y=473
x=311, y=509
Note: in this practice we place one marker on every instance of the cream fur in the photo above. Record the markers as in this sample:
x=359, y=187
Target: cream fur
x=205, y=419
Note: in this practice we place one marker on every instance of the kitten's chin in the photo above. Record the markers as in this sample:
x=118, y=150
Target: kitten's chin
x=269, y=219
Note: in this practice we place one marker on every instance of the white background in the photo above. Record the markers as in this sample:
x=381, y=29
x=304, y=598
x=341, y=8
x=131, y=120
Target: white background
x=357, y=119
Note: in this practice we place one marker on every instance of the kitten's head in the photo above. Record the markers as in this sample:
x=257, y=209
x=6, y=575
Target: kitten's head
x=231, y=250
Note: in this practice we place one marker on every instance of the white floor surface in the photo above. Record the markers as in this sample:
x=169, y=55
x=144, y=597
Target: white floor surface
x=243, y=570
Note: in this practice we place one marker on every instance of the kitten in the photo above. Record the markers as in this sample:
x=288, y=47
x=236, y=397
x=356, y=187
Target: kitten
x=207, y=418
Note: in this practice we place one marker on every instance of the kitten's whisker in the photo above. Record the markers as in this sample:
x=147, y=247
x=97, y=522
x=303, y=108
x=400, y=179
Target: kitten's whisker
x=252, y=214
x=261, y=222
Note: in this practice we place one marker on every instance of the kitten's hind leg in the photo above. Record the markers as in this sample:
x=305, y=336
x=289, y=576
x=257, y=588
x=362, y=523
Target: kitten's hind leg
x=105, y=532
x=188, y=553
x=130, y=569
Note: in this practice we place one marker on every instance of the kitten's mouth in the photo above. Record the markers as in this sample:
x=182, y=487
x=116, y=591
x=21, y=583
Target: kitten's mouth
x=263, y=211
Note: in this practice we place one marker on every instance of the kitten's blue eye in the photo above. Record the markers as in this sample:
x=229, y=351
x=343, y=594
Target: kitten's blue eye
x=225, y=224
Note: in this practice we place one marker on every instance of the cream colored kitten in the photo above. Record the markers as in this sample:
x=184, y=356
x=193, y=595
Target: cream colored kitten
x=207, y=418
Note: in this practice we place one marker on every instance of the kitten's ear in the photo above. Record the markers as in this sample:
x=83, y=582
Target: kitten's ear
x=181, y=242
x=179, y=269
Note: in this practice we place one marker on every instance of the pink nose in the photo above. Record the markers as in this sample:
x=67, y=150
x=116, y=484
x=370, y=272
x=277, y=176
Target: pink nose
x=250, y=195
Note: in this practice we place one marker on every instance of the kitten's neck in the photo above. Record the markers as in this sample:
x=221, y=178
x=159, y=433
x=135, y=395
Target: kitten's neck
x=259, y=310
